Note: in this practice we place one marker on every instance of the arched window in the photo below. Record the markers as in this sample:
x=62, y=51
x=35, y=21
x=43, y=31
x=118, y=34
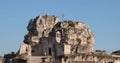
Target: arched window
x=58, y=36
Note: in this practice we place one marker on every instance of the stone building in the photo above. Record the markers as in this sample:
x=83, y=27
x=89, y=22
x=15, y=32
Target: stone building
x=47, y=36
x=46, y=33
x=52, y=41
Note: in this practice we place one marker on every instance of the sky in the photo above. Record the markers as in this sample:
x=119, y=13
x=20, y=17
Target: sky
x=102, y=16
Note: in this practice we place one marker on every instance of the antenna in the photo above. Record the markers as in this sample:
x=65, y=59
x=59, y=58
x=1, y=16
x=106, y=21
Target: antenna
x=62, y=16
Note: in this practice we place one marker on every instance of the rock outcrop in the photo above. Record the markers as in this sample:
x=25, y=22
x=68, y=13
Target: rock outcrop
x=47, y=32
x=52, y=41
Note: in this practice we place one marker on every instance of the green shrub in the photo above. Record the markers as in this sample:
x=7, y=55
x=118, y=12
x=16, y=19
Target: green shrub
x=28, y=35
x=78, y=40
x=72, y=24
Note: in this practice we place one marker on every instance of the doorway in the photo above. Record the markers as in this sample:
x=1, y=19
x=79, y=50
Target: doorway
x=50, y=51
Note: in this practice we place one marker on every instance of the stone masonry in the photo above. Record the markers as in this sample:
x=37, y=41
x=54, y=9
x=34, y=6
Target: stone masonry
x=52, y=41
x=48, y=36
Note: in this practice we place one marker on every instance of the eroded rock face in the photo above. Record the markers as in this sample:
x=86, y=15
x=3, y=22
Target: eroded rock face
x=49, y=36
x=54, y=41
x=40, y=27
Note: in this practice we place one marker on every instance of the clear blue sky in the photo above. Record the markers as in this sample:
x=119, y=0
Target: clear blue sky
x=102, y=16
